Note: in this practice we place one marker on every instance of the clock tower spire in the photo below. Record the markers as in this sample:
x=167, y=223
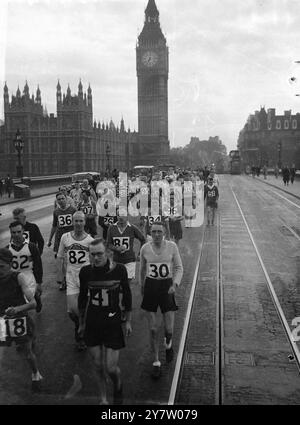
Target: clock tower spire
x=152, y=64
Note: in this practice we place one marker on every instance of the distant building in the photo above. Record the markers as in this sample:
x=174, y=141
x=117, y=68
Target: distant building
x=270, y=139
x=67, y=143
x=71, y=141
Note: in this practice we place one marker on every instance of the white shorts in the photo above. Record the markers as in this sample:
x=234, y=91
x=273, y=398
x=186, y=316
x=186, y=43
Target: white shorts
x=72, y=281
x=130, y=270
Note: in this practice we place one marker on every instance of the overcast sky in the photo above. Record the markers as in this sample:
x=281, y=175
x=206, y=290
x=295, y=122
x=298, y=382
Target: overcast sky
x=227, y=58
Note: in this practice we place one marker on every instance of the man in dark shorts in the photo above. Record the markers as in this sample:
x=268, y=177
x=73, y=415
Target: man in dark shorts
x=160, y=273
x=15, y=323
x=211, y=194
x=100, y=316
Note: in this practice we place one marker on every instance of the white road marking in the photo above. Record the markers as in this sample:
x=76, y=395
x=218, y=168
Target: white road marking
x=286, y=199
x=184, y=331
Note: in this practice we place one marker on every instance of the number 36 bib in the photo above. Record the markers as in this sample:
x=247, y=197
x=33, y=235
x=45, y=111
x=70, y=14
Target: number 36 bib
x=159, y=270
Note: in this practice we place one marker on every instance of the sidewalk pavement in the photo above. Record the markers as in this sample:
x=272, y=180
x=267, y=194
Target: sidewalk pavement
x=291, y=189
x=35, y=193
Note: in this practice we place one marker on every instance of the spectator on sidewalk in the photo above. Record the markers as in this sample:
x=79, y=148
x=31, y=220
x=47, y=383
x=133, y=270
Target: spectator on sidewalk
x=8, y=185
x=265, y=171
x=286, y=175
x=292, y=173
x=276, y=171
x=1, y=187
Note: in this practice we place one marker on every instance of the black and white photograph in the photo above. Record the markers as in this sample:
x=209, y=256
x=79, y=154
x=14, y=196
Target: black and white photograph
x=149, y=205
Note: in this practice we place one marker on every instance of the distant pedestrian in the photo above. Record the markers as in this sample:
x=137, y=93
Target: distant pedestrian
x=8, y=185
x=292, y=173
x=1, y=187
x=286, y=175
x=253, y=170
x=265, y=171
x=258, y=171
x=276, y=171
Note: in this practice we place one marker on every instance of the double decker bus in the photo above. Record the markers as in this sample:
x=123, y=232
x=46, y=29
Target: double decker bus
x=235, y=162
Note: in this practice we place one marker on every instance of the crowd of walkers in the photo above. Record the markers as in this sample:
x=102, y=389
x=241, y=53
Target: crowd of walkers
x=96, y=273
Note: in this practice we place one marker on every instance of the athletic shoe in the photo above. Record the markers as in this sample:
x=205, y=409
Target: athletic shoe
x=118, y=395
x=36, y=386
x=36, y=383
x=169, y=355
x=156, y=372
x=62, y=286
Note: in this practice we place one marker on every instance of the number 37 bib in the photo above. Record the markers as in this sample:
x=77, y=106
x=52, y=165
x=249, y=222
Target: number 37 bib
x=159, y=270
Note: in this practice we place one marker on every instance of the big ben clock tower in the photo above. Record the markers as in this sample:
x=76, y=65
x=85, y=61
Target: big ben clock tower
x=152, y=64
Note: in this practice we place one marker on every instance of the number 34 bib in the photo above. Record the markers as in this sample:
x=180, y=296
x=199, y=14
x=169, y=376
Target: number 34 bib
x=159, y=270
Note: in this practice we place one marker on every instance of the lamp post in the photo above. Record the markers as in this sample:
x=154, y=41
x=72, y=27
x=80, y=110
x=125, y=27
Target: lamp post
x=279, y=147
x=107, y=158
x=19, y=145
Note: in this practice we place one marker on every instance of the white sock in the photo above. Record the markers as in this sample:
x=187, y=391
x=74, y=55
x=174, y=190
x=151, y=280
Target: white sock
x=157, y=363
x=168, y=346
x=36, y=376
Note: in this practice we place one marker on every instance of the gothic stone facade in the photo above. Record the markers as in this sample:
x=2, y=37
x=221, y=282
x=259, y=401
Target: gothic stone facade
x=67, y=143
x=270, y=139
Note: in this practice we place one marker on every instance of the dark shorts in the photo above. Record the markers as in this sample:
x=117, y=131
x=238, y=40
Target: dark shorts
x=156, y=295
x=101, y=329
x=212, y=204
x=175, y=229
x=21, y=339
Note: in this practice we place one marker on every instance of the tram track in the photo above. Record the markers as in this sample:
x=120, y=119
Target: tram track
x=271, y=289
x=225, y=354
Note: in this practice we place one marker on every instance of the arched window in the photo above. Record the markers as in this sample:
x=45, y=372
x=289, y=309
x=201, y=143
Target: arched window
x=294, y=124
x=269, y=125
x=286, y=124
x=278, y=125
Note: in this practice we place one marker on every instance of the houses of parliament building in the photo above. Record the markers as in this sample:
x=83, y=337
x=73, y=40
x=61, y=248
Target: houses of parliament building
x=73, y=141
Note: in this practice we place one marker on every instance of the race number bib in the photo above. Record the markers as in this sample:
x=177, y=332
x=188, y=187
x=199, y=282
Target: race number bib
x=122, y=241
x=20, y=263
x=159, y=270
x=108, y=220
x=87, y=209
x=64, y=220
x=211, y=193
x=100, y=298
x=26, y=235
x=77, y=256
x=12, y=327
x=153, y=218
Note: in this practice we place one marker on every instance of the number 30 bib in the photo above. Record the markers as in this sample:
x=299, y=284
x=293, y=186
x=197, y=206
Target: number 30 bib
x=159, y=270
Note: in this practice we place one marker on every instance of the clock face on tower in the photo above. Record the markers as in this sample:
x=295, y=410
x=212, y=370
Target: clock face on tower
x=149, y=58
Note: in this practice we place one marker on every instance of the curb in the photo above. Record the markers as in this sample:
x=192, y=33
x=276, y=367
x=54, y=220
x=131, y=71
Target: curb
x=26, y=199
x=279, y=188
